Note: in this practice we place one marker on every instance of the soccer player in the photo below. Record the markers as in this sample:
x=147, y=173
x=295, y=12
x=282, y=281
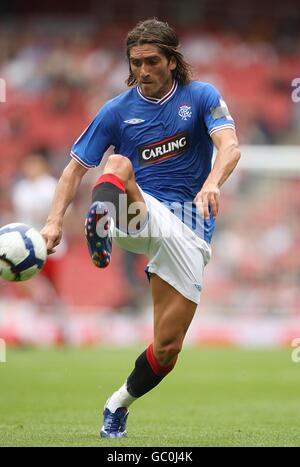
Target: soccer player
x=158, y=194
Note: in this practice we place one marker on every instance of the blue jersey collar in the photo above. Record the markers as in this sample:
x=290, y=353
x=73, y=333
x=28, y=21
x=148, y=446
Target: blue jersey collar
x=162, y=100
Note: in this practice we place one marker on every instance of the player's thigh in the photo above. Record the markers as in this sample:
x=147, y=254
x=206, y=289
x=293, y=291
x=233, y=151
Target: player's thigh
x=135, y=201
x=135, y=216
x=173, y=313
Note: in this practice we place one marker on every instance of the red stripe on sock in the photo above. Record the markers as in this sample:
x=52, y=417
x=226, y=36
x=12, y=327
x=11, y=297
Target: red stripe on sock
x=156, y=367
x=113, y=179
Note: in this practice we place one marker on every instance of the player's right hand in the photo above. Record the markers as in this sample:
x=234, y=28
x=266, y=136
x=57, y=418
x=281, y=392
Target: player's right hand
x=52, y=234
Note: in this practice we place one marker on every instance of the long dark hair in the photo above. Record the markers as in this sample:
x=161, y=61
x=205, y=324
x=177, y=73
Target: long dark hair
x=164, y=37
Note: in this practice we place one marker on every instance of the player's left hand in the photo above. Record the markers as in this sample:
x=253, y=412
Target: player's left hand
x=208, y=196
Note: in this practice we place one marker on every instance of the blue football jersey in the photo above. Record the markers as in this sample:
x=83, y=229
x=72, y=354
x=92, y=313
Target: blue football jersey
x=167, y=140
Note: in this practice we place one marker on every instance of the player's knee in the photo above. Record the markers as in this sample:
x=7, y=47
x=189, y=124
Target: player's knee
x=119, y=165
x=166, y=353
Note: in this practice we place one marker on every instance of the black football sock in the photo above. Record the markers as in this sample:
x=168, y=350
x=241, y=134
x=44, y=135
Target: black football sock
x=110, y=189
x=147, y=373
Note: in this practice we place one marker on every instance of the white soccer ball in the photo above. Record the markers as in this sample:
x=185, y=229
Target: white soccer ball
x=23, y=252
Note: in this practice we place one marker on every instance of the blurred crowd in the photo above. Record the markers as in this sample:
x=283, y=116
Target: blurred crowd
x=255, y=267
x=56, y=82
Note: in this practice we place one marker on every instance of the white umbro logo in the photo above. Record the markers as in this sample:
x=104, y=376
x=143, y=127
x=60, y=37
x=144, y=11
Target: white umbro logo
x=134, y=121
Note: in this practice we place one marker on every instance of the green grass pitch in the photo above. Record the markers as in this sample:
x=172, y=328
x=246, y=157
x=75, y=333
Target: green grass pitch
x=214, y=397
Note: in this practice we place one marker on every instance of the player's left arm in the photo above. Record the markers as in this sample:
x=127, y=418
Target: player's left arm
x=228, y=155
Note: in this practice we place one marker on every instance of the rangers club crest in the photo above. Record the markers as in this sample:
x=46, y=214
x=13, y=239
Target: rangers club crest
x=185, y=111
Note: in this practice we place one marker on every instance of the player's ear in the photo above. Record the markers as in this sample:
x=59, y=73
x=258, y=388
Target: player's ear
x=172, y=63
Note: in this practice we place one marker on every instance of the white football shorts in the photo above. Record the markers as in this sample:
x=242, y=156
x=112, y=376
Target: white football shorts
x=175, y=252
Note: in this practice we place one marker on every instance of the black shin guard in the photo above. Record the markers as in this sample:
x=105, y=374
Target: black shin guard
x=143, y=378
x=113, y=196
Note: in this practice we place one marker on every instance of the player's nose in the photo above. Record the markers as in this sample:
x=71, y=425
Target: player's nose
x=144, y=71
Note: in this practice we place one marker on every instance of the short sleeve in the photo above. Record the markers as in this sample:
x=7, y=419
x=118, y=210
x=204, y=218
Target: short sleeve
x=89, y=148
x=215, y=111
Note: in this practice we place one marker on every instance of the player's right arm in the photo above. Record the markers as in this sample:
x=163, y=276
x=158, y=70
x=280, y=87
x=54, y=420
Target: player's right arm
x=64, y=194
x=86, y=152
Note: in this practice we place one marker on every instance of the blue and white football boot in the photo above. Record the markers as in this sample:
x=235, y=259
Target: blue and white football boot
x=97, y=234
x=114, y=423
